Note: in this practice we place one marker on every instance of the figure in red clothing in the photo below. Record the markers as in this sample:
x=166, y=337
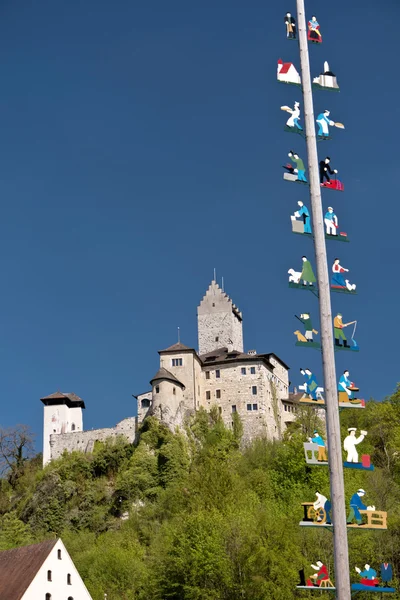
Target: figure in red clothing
x=338, y=280
x=321, y=575
x=314, y=34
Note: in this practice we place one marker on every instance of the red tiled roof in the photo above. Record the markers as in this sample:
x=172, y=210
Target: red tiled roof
x=19, y=566
x=285, y=68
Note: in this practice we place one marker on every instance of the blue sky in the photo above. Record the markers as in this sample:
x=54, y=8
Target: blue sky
x=141, y=146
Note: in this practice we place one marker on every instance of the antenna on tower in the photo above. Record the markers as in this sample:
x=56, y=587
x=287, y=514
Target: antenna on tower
x=223, y=284
x=215, y=274
x=179, y=335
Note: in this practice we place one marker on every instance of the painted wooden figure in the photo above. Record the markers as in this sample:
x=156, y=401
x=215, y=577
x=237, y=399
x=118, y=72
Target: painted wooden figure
x=325, y=171
x=338, y=281
x=314, y=33
x=339, y=334
x=347, y=390
x=292, y=124
x=301, y=219
x=290, y=23
x=369, y=580
x=324, y=122
x=358, y=510
x=350, y=443
x=306, y=339
x=304, y=279
x=295, y=171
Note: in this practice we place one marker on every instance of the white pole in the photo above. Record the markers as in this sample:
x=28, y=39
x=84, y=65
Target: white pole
x=342, y=574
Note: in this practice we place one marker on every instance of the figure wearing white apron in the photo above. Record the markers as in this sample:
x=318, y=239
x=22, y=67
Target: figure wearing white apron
x=351, y=442
x=293, y=120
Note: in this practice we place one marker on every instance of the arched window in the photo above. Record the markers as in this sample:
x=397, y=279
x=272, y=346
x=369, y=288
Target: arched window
x=69, y=579
x=48, y=575
x=73, y=427
x=59, y=554
x=70, y=598
x=48, y=596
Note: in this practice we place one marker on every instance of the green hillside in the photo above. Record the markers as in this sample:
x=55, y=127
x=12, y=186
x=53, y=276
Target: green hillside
x=195, y=516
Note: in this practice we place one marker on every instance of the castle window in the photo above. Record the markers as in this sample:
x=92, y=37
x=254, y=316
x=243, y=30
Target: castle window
x=49, y=576
x=208, y=395
x=243, y=369
x=73, y=427
x=285, y=408
x=218, y=393
x=254, y=390
x=252, y=370
x=48, y=596
x=69, y=579
x=207, y=374
x=157, y=389
x=176, y=362
x=59, y=554
x=233, y=408
x=217, y=373
x=217, y=339
x=174, y=391
x=249, y=407
x=145, y=403
x=213, y=303
x=255, y=406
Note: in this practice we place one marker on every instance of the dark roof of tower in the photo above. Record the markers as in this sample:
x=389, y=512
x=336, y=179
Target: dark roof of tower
x=68, y=398
x=19, y=566
x=164, y=374
x=223, y=355
x=178, y=347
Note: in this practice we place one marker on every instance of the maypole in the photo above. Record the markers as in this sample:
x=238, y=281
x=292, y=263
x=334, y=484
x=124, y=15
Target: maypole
x=342, y=575
x=321, y=226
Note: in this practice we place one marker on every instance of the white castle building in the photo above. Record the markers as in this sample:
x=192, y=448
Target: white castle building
x=254, y=386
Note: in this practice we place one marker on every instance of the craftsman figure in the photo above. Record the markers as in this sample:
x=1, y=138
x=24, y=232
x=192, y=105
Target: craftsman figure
x=293, y=120
x=311, y=384
x=331, y=222
x=345, y=385
x=350, y=443
x=323, y=502
x=356, y=505
x=323, y=124
x=317, y=439
x=325, y=170
x=368, y=576
x=290, y=23
x=300, y=169
x=304, y=212
x=322, y=574
x=307, y=274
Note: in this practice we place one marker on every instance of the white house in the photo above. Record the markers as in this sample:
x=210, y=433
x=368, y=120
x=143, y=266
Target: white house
x=326, y=80
x=40, y=572
x=287, y=73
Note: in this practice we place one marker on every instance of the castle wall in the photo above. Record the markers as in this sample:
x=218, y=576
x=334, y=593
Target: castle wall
x=84, y=440
x=236, y=391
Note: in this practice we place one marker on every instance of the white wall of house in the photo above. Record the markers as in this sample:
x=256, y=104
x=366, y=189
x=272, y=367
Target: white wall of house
x=58, y=587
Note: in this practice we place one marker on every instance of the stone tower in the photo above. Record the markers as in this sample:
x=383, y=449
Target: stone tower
x=62, y=414
x=219, y=322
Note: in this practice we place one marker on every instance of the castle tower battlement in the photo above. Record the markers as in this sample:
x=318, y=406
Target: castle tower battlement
x=219, y=321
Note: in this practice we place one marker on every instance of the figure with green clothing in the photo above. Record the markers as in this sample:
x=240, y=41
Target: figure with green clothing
x=307, y=274
x=306, y=339
x=300, y=169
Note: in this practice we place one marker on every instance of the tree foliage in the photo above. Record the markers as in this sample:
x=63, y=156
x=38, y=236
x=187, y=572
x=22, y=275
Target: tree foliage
x=194, y=515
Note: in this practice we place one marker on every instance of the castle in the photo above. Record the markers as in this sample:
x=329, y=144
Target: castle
x=254, y=386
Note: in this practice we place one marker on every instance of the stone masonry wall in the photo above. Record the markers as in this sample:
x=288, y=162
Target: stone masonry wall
x=85, y=440
x=236, y=390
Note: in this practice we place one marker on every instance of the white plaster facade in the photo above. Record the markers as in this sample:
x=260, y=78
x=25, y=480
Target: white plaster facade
x=43, y=575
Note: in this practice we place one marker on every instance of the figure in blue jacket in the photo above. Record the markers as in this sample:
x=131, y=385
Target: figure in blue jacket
x=304, y=213
x=386, y=573
x=356, y=505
